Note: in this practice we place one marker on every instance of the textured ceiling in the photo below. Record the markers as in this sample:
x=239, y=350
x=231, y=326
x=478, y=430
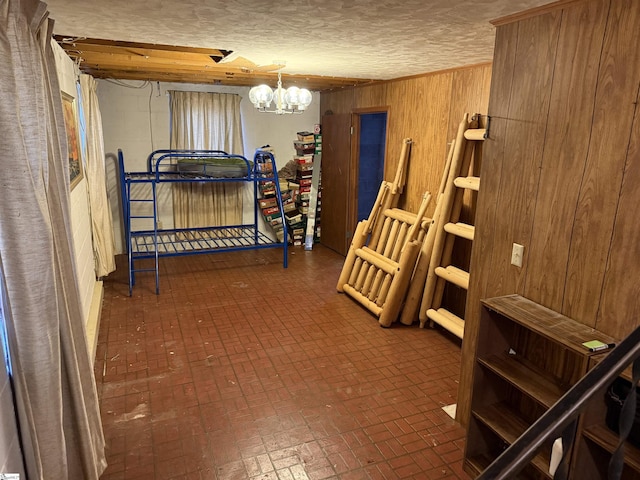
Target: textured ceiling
x=359, y=38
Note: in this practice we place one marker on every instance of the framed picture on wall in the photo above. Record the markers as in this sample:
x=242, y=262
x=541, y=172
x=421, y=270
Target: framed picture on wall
x=73, y=139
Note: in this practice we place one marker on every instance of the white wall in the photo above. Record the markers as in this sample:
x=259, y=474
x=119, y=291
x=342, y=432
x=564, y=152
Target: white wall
x=80, y=217
x=136, y=120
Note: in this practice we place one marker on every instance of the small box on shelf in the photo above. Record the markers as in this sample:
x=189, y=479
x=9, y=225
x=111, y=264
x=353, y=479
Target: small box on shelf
x=304, y=148
x=303, y=159
x=268, y=202
x=294, y=217
x=305, y=136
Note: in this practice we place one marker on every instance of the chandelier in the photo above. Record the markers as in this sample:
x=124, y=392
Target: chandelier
x=291, y=100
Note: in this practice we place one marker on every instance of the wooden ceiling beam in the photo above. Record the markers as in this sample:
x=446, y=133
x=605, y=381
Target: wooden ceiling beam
x=220, y=73
x=136, y=61
x=143, y=61
x=82, y=51
x=89, y=42
x=193, y=76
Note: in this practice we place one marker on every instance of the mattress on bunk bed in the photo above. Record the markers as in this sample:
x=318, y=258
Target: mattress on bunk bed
x=213, y=167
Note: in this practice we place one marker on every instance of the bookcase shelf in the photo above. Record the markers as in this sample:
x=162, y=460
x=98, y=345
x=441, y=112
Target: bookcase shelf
x=608, y=440
x=528, y=356
x=523, y=375
x=596, y=442
x=508, y=425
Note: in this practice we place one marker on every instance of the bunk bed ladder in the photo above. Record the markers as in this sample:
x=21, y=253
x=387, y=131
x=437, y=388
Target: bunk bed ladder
x=142, y=244
x=126, y=181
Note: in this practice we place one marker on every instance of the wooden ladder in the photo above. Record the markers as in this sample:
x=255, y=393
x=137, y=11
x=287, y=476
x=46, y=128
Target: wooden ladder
x=448, y=229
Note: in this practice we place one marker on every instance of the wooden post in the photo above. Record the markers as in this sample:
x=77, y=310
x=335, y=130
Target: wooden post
x=416, y=288
x=415, y=228
x=396, y=188
x=399, y=284
x=376, y=208
x=391, y=240
x=445, y=172
x=384, y=290
x=358, y=240
x=400, y=242
x=384, y=236
x=361, y=276
x=375, y=288
x=401, y=172
x=366, y=288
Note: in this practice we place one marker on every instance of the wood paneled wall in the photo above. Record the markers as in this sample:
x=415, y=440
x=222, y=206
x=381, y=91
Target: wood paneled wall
x=426, y=109
x=561, y=170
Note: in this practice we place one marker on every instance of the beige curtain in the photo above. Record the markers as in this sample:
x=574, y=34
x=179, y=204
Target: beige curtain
x=206, y=121
x=101, y=221
x=56, y=398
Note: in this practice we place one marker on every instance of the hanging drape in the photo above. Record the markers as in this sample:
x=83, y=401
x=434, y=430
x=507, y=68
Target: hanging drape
x=206, y=121
x=101, y=221
x=56, y=397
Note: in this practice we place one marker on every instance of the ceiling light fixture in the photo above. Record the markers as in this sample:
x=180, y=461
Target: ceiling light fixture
x=291, y=100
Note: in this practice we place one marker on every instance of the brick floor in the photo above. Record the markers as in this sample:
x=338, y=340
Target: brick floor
x=241, y=369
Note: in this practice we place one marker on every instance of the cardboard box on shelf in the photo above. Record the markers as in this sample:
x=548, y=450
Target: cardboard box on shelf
x=289, y=207
x=305, y=136
x=305, y=167
x=270, y=210
x=268, y=202
x=273, y=216
x=293, y=217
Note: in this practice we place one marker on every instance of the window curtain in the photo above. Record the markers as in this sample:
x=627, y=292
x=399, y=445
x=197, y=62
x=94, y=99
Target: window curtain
x=56, y=399
x=101, y=221
x=206, y=121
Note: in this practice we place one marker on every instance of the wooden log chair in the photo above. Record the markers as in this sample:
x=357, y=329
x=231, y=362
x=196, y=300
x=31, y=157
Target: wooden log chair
x=377, y=275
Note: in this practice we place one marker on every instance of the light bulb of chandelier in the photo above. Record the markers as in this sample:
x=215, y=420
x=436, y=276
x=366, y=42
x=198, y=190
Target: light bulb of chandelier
x=291, y=97
x=304, y=98
x=261, y=96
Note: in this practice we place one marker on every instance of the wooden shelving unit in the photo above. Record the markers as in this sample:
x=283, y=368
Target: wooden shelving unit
x=528, y=356
x=596, y=442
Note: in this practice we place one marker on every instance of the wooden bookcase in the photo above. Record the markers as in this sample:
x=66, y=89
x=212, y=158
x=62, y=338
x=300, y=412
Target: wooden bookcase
x=596, y=442
x=528, y=356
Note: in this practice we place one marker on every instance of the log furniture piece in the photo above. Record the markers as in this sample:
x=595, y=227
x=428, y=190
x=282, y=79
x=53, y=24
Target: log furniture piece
x=427, y=285
x=371, y=229
x=388, y=197
x=528, y=357
x=416, y=287
x=447, y=231
x=379, y=275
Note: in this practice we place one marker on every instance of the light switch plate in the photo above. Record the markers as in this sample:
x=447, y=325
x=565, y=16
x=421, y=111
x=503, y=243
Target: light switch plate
x=517, y=253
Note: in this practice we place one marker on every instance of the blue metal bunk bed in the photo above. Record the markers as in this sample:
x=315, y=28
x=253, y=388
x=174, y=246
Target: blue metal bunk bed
x=180, y=166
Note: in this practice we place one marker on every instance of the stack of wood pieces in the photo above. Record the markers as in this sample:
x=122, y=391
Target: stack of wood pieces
x=384, y=249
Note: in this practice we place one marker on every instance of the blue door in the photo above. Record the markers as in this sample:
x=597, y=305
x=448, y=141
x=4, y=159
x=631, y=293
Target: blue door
x=373, y=132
